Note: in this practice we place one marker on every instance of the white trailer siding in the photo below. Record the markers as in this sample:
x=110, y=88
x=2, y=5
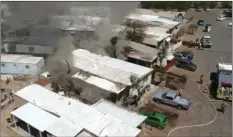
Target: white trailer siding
x=21, y=64
x=29, y=49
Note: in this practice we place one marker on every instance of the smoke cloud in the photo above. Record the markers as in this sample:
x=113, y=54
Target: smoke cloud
x=35, y=15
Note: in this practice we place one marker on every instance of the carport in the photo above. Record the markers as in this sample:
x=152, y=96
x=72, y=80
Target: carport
x=32, y=119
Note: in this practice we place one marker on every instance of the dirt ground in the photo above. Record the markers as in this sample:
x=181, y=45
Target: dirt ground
x=5, y=113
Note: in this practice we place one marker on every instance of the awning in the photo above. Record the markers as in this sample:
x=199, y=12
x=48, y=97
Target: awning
x=35, y=116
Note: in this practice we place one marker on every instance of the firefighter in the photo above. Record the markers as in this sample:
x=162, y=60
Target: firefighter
x=180, y=92
x=201, y=79
x=223, y=107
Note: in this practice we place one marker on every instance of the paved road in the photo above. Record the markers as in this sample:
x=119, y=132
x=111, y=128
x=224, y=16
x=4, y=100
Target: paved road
x=206, y=61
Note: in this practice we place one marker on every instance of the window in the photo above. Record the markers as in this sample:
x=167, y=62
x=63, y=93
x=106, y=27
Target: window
x=27, y=66
x=2, y=65
x=169, y=98
x=31, y=49
x=154, y=119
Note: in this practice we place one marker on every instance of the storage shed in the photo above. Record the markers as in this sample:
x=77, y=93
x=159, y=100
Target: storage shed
x=21, y=64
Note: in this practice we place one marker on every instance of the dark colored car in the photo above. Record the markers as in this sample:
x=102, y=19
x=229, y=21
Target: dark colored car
x=157, y=119
x=201, y=22
x=184, y=54
x=186, y=64
x=207, y=28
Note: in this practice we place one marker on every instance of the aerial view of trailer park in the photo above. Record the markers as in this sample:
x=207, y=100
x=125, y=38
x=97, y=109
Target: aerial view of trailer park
x=139, y=69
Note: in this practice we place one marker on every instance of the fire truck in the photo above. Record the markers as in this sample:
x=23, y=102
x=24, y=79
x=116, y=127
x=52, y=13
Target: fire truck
x=224, y=78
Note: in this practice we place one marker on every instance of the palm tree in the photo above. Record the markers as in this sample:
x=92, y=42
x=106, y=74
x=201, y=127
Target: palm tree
x=114, y=41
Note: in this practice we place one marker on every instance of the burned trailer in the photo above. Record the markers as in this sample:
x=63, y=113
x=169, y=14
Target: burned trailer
x=224, y=81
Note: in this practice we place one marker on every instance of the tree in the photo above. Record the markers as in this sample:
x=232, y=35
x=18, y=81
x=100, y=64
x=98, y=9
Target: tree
x=111, y=50
x=163, y=47
x=114, y=41
x=226, y=4
x=135, y=31
x=167, y=5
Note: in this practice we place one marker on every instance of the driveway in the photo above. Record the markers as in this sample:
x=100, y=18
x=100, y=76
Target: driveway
x=206, y=61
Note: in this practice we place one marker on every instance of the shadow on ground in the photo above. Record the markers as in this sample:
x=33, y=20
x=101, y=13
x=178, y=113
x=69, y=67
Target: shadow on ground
x=174, y=81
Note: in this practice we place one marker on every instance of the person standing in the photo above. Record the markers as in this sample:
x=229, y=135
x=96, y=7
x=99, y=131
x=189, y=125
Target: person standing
x=201, y=79
x=223, y=107
x=180, y=92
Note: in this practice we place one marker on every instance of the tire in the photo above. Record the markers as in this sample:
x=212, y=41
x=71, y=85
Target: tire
x=157, y=101
x=159, y=128
x=179, y=107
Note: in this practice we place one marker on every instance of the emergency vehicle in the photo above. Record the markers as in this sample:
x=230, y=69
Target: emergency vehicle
x=224, y=91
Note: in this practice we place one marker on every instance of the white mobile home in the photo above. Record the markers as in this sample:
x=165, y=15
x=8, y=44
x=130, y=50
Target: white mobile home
x=117, y=75
x=21, y=64
x=70, y=117
x=28, y=49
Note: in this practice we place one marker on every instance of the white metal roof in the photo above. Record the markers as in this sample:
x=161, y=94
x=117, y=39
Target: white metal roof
x=56, y=104
x=157, y=30
x=35, y=116
x=99, y=82
x=84, y=134
x=140, y=51
x=83, y=115
x=104, y=124
x=225, y=66
x=131, y=118
x=151, y=18
x=24, y=59
x=108, y=68
x=62, y=127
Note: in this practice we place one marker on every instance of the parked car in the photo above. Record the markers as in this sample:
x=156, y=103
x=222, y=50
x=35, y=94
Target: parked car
x=198, y=9
x=201, y=22
x=186, y=64
x=156, y=119
x=206, y=9
x=189, y=54
x=173, y=99
x=207, y=28
x=183, y=55
x=230, y=24
x=180, y=55
x=206, y=42
x=220, y=18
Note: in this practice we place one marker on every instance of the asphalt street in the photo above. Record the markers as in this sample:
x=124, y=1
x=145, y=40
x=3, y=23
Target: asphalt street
x=206, y=61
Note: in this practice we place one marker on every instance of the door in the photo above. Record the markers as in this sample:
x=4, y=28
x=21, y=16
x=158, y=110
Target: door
x=185, y=65
x=168, y=100
x=152, y=122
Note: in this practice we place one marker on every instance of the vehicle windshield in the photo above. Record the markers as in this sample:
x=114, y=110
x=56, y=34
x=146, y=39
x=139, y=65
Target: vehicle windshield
x=164, y=94
x=164, y=120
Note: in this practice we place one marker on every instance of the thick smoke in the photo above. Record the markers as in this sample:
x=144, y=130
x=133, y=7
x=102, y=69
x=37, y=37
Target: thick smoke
x=97, y=41
x=34, y=15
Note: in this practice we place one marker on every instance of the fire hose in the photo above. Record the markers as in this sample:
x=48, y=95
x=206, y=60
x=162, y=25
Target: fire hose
x=198, y=125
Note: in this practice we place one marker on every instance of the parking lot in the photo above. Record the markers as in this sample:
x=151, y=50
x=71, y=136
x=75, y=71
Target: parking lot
x=206, y=61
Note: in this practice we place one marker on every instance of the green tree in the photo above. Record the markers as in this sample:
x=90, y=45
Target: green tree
x=135, y=31
x=226, y=4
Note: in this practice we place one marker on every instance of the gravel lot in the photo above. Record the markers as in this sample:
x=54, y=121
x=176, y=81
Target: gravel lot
x=206, y=61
